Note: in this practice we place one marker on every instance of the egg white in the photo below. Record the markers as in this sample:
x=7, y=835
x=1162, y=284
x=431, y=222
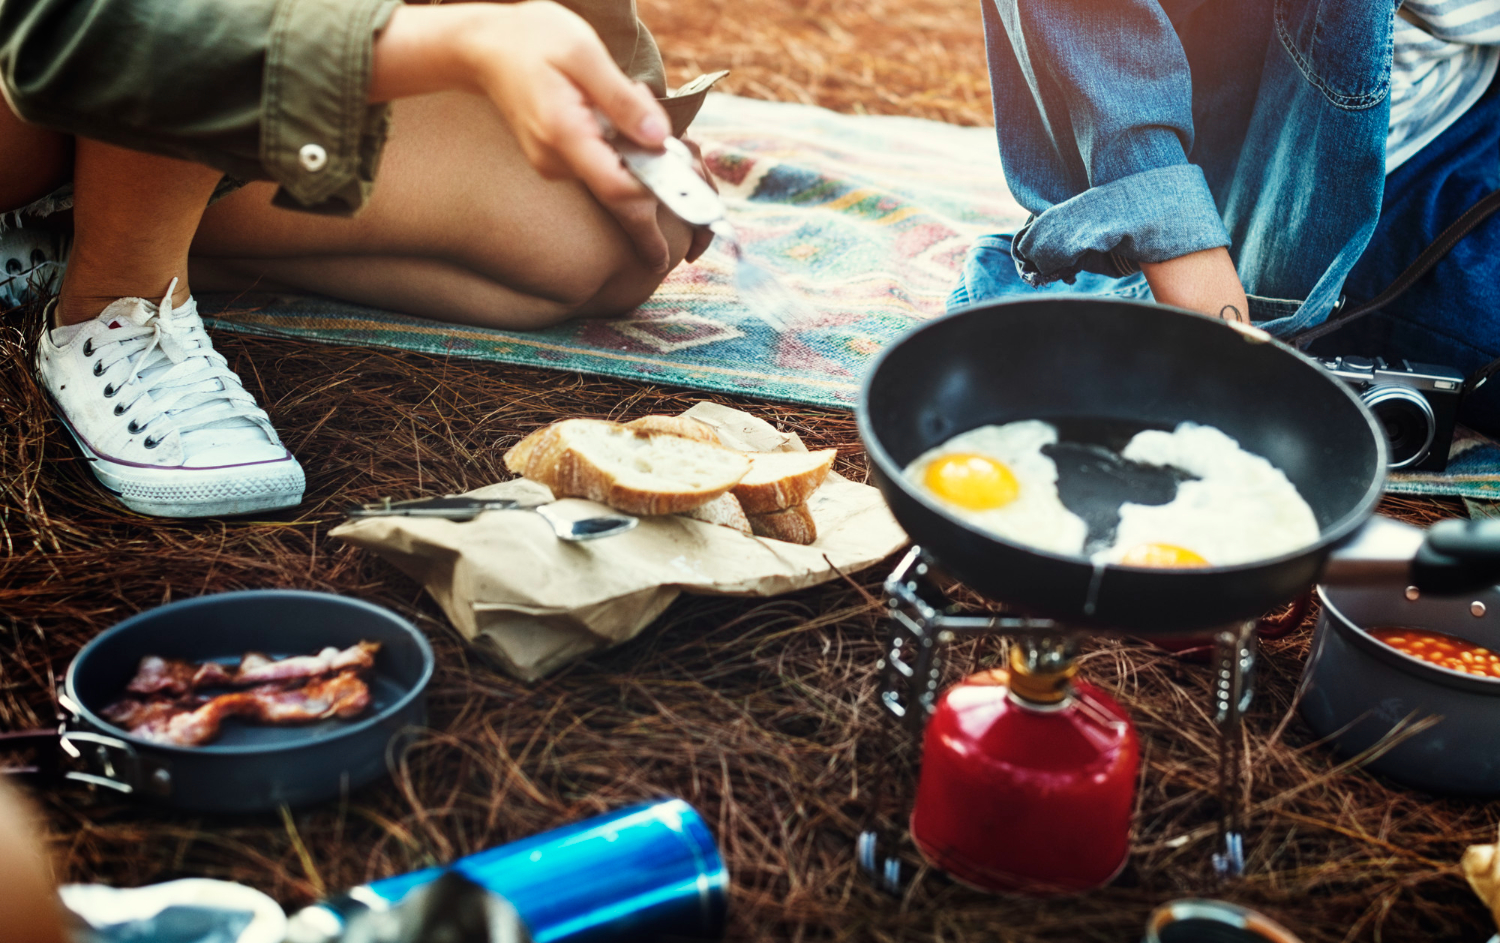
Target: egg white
x=1037, y=516
x=1241, y=509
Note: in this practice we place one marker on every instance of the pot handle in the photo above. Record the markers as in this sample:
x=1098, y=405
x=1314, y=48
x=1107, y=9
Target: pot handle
x=1458, y=557
x=108, y=762
x=46, y=764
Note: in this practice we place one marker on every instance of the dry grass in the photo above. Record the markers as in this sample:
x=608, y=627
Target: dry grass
x=759, y=714
x=920, y=58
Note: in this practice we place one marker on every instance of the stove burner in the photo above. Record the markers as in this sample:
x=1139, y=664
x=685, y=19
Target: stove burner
x=923, y=620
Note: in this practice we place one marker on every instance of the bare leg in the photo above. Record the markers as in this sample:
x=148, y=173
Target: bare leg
x=429, y=288
x=134, y=216
x=486, y=239
x=35, y=161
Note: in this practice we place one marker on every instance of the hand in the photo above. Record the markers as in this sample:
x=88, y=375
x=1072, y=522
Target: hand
x=1204, y=281
x=548, y=73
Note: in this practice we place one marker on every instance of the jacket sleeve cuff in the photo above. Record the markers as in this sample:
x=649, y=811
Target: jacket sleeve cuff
x=320, y=137
x=1150, y=216
x=683, y=105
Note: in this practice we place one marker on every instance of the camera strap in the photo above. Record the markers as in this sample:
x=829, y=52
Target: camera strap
x=1429, y=257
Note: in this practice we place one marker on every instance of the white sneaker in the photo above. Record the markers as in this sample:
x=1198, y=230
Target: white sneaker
x=164, y=422
x=31, y=264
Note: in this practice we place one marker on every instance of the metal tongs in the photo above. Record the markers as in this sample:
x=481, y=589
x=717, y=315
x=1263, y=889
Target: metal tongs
x=453, y=507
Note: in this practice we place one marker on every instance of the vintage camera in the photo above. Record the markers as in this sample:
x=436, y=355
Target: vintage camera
x=1416, y=402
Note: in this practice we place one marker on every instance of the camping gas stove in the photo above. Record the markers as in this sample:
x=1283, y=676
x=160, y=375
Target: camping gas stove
x=984, y=733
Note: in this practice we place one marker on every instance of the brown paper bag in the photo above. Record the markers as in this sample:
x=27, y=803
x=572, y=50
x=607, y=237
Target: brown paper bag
x=1481, y=865
x=536, y=602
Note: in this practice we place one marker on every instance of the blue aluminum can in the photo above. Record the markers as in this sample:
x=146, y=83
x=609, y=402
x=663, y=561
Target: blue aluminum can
x=640, y=873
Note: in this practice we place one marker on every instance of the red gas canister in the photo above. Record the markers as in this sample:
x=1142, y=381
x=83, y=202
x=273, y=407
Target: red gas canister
x=1028, y=782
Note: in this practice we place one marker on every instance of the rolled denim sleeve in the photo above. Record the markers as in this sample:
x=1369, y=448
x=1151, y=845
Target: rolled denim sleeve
x=260, y=89
x=1094, y=115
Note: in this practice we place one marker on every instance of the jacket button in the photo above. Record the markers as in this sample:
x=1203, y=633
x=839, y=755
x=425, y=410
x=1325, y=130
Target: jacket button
x=313, y=157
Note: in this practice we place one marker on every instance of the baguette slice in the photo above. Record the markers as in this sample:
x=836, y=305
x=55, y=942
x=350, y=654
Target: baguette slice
x=725, y=511
x=517, y=455
x=681, y=426
x=780, y=480
x=630, y=471
x=794, y=525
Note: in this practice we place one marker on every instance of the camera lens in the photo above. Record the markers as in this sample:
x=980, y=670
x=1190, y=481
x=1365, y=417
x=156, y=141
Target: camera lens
x=1408, y=421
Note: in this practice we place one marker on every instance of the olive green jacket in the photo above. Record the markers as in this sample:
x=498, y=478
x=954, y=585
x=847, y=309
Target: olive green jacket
x=260, y=89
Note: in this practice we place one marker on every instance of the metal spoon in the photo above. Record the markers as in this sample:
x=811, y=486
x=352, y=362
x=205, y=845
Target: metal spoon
x=585, y=528
x=459, y=508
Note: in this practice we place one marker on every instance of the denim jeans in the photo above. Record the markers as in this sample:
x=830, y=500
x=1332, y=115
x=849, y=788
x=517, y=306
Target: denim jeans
x=1450, y=316
x=1141, y=130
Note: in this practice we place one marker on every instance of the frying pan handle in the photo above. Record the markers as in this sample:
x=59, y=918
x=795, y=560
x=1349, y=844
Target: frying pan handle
x=1449, y=558
x=1380, y=554
x=1458, y=557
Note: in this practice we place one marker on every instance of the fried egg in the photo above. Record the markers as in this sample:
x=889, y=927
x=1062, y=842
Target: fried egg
x=1240, y=509
x=997, y=478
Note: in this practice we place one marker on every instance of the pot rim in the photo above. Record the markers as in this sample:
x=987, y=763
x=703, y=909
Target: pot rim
x=354, y=728
x=1406, y=664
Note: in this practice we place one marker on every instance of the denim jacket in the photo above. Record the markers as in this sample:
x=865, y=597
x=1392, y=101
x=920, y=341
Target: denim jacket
x=1141, y=130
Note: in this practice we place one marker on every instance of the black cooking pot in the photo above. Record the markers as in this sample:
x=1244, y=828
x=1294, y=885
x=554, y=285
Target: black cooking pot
x=1102, y=371
x=1356, y=690
x=248, y=768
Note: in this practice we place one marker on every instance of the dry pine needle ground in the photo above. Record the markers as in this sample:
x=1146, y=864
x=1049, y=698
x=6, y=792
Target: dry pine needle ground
x=759, y=714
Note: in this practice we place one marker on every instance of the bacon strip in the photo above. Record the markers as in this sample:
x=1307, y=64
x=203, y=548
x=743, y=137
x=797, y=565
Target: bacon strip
x=256, y=668
x=157, y=675
x=342, y=695
x=130, y=713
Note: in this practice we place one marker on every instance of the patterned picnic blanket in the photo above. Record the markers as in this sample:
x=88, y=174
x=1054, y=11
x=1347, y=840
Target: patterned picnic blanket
x=1473, y=473
x=864, y=218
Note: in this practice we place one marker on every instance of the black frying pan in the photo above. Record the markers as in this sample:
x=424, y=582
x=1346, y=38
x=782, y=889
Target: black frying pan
x=248, y=768
x=1102, y=371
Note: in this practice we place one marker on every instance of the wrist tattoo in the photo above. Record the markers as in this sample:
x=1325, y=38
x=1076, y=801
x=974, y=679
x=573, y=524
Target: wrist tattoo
x=1233, y=315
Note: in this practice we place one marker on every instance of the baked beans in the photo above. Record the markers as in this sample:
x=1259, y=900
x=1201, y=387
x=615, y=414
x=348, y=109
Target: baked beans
x=1445, y=651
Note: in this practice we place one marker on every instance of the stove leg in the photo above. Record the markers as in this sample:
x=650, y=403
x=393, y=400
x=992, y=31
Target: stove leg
x=1234, y=661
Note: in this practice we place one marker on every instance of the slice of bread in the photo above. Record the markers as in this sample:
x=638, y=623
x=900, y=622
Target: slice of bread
x=725, y=511
x=779, y=480
x=517, y=455
x=630, y=471
x=794, y=525
x=680, y=426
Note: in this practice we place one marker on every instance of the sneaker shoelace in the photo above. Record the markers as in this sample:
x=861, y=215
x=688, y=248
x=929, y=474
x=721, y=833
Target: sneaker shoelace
x=173, y=363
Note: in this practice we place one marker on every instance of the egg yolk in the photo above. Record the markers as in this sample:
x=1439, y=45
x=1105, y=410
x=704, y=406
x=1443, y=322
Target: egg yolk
x=1162, y=555
x=976, y=482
